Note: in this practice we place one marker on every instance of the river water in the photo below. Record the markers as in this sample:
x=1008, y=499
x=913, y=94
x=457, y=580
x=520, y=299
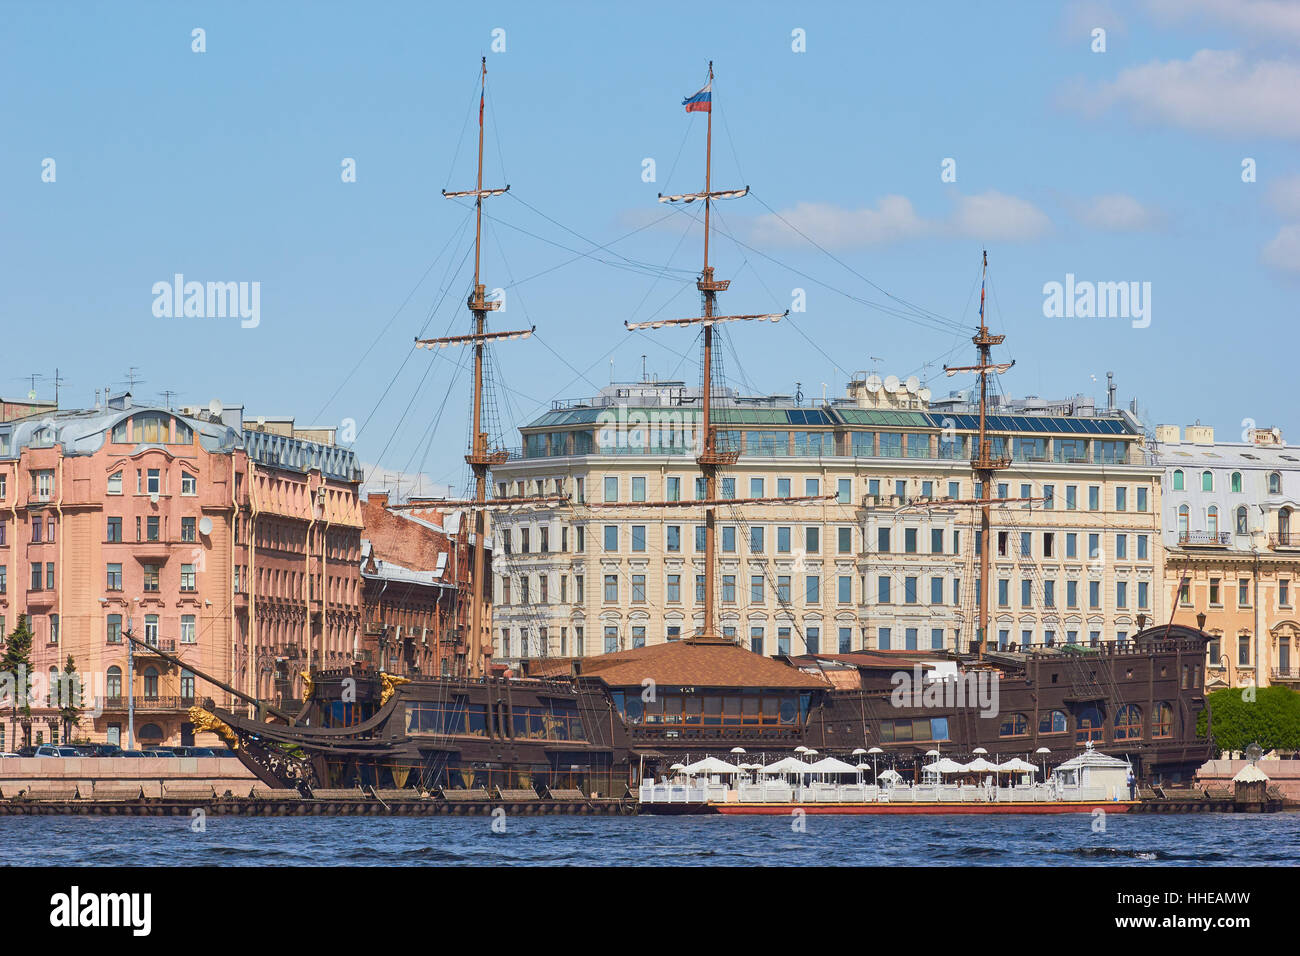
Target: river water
x=1064, y=840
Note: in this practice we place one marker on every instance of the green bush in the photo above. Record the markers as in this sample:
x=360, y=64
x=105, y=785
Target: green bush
x=1272, y=719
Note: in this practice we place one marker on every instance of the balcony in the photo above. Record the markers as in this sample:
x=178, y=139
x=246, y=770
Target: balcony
x=1284, y=674
x=1284, y=541
x=1204, y=539
x=146, y=704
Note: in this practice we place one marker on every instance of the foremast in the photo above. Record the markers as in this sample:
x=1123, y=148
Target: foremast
x=481, y=458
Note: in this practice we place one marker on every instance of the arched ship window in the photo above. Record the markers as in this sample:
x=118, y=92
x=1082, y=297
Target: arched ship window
x=1128, y=722
x=1162, y=720
x=1053, y=722
x=1014, y=725
x=1088, y=724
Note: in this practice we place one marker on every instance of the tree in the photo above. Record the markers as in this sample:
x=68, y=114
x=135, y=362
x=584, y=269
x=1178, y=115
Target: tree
x=70, y=711
x=15, y=667
x=1272, y=719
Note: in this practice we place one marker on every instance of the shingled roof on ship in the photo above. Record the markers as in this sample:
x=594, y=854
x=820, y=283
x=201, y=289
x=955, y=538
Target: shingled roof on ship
x=685, y=663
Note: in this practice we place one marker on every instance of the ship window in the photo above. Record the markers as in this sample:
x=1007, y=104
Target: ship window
x=1162, y=721
x=1014, y=725
x=1052, y=722
x=1128, y=722
x=1088, y=725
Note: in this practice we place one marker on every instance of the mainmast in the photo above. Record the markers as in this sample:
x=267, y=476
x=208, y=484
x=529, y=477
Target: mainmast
x=480, y=457
x=711, y=458
x=983, y=464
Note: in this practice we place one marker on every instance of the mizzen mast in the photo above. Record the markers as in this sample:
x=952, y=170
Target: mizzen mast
x=711, y=458
x=983, y=464
x=480, y=457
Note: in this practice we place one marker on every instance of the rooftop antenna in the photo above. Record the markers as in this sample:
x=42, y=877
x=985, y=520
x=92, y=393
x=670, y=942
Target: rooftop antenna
x=167, y=397
x=58, y=380
x=132, y=378
x=644, y=376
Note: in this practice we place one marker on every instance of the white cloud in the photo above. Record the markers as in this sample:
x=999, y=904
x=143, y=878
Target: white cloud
x=1117, y=212
x=1081, y=17
x=989, y=215
x=1274, y=19
x=1283, y=250
x=994, y=215
x=1217, y=91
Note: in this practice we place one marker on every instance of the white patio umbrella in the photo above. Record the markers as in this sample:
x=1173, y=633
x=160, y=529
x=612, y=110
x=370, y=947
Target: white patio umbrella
x=945, y=765
x=979, y=751
x=787, y=765
x=712, y=765
x=1016, y=765
x=874, y=751
x=1043, y=750
x=737, y=750
x=831, y=765
x=980, y=765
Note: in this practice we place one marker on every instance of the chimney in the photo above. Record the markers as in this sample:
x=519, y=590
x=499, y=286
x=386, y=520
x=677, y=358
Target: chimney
x=1110, y=391
x=378, y=499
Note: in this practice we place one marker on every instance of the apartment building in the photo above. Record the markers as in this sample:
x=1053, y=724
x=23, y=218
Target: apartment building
x=1234, y=549
x=415, y=568
x=886, y=560
x=236, y=549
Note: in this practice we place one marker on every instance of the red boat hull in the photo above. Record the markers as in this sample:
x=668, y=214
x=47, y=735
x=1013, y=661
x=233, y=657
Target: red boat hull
x=784, y=809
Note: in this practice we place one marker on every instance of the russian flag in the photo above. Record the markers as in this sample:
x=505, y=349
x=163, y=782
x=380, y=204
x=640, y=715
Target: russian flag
x=701, y=102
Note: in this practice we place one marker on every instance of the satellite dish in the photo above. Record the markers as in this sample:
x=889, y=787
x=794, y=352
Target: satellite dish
x=205, y=525
x=913, y=384
x=925, y=394
x=873, y=382
x=891, y=383
x=216, y=408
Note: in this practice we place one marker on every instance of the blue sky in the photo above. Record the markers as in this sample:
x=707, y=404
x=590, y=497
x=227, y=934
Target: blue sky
x=225, y=165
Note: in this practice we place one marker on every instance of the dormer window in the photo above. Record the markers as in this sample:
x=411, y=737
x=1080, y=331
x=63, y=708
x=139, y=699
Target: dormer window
x=152, y=427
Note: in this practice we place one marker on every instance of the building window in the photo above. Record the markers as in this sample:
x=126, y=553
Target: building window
x=813, y=589
x=611, y=537
x=189, y=633
x=638, y=589
x=189, y=484
x=188, y=529
x=1275, y=483
x=1241, y=520
x=1207, y=481
x=114, y=634
x=638, y=537
x=1235, y=483
x=114, y=582
x=638, y=488
x=673, y=538
x=187, y=577
x=113, y=682
x=151, y=577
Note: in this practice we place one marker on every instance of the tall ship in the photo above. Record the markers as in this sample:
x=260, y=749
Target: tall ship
x=607, y=724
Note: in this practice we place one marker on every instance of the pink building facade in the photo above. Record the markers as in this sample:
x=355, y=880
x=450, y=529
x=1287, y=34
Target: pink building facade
x=235, y=550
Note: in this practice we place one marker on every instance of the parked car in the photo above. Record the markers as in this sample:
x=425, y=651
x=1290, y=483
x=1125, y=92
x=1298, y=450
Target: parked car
x=194, y=751
x=99, y=750
x=27, y=751
x=2, y=756
x=157, y=752
x=51, y=750
x=131, y=753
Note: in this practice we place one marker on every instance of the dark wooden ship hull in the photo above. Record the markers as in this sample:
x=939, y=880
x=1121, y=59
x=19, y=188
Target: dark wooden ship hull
x=358, y=729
